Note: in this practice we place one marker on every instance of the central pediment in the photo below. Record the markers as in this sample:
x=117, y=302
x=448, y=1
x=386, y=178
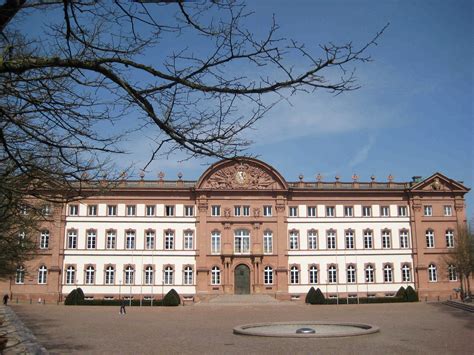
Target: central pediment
x=241, y=174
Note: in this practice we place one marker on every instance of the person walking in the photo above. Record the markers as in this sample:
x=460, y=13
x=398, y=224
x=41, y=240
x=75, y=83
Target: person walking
x=5, y=299
x=122, y=307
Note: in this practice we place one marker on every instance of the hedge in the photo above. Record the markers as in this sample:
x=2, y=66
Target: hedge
x=315, y=296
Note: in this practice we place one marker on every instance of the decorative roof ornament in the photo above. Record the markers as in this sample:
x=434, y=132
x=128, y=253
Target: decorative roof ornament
x=142, y=174
x=436, y=185
x=180, y=175
x=337, y=177
x=301, y=177
x=161, y=175
x=390, y=178
x=372, y=178
x=319, y=177
x=355, y=177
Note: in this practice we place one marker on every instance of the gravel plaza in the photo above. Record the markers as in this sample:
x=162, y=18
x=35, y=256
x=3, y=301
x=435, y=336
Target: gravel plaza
x=418, y=328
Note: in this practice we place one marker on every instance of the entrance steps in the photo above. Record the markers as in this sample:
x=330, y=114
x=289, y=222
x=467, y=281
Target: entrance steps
x=464, y=306
x=236, y=300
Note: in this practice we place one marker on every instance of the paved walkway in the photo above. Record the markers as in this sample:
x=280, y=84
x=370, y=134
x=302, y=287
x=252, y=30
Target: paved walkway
x=241, y=300
x=415, y=328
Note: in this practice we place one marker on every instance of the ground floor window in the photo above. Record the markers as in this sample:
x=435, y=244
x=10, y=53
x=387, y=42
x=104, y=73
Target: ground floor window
x=42, y=274
x=452, y=274
x=168, y=275
x=313, y=274
x=268, y=275
x=432, y=273
x=215, y=276
x=332, y=274
x=20, y=275
x=188, y=275
x=294, y=275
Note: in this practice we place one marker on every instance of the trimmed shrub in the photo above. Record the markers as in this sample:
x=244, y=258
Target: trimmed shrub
x=412, y=295
x=402, y=293
x=311, y=296
x=171, y=299
x=75, y=297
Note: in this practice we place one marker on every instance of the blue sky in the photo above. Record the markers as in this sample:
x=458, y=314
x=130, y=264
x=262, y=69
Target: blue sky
x=413, y=114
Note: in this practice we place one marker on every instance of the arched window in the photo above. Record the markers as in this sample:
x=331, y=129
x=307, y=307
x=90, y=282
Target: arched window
x=452, y=274
x=331, y=239
x=351, y=274
x=150, y=239
x=268, y=242
x=20, y=275
x=350, y=239
x=44, y=239
x=312, y=239
x=188, y=275
x=404, y=239
x=268, y=275
x=406, y=273
x=129, y=275
x=294, y=275
x=313, y=274
x=72, y=239
x=332, y=274
x=387, y=273
x=169, y=240
x=432, y=273
x=242, y=241
x=449, y=239
x=168, y=275
x=111, y=239
x=294, y=240
x=368, y=239
x=90, y=275
x=109, y=275
x=188, y=240
x=369, y=274
x=70, y=275
x=130, y=239
x=430, y=243
x=386, y=239
x=215, y=242
x=215, y=275
x=42, y=275
x=91, y=239
x=149, y=275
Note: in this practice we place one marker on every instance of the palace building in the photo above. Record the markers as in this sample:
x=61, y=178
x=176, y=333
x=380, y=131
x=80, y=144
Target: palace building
x=243, y=229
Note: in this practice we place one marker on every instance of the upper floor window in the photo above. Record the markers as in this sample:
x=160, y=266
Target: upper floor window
x=189, y=211
x=91, y=239
x=312, y=239
x=149, y=275
x=452, y=274
x=386, y=239
x=330, y=211
x=448, y=210
x=237, y=211
x=404, y=239
x=348, y=211
x=432, y=273
x=129, y=275
x=430, y=241
x=44, y=239
x=169, y=210
x=150, y=239
x=293, y=211
x=246, y=211
x=351, y=274
x=268, y=242
x=388, y=273
x=366, y=211
x=331, y=240
x=92, y=210
x=350, y=239
x=406, y=273
x=368, y=239
x=215, y=276
x=188, y=275
x=402, y=211
x=311, y=211
x=294, y=240
x=428, y=210
x=130, y=239
x=109, y=275
x=168, y=275
x=111, y=210
x=294, y=275
x=111, y=241
x=384, y=211
x=42, y=275
x=188, y=237
x=20, y=275
x=242, y=241
x=169, y=240
x=449, y=239
x=72, y=239
x=267, y=211
x=70, y=275
x=215, y=210
x=90, y=275
x=332, y=274
x=46, y=210
x=369, y=274
x=215, y=242
x=73, y=210
x=313, y=274
x=268, y=275
x=150, y=210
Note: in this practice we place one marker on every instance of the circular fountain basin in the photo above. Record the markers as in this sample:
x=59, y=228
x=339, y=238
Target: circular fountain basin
x=305, y=329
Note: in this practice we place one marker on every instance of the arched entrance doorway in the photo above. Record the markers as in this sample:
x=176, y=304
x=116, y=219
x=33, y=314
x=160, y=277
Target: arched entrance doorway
x=242, y=280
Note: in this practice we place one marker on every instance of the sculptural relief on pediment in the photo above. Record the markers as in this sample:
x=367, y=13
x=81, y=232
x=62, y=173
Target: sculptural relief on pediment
x=241, y=176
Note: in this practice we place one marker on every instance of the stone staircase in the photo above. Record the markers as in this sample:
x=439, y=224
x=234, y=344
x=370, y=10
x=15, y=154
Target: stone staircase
x=234, y=300
x=464, y=306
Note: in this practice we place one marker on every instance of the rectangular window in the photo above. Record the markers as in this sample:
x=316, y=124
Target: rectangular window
x=46, y=210
x=150, y=240
x=215, y=210
x=72, y=239
x=428, y=210
x=215, y=243
x=92, y=210
x=384, y=211
x=150, y=210
x=293, y=211
x=368, y=239
x=188, y=240
x=111, y=239
x=242, y=241
x=169, y=211
x=331, y=240
x=131, y=210
x=311, y=211
x=169, y=240
x=130, y=240
x=237, y=211
x=402, y=211
x=268, y=242
x=449, y=239
x=348, y=211
x=349, y=239
x=404, y=239
x=312, y=240
x=73, y=210
x=91, y=239
x=267, y=211
x=366, y=211
x=430, y=242
x=386, y=240
x=294, y=240
x=189, y=211
x=330, y=211
x=246, y=210
x=448, y=210
x=111, y=210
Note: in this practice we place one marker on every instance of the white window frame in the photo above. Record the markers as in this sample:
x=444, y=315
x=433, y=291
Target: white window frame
x=388, y=273
x=20, y=275
x=330, y=211
x=448, y=210
x=246, y=211
x=294, y=275
x=110, y=275
x=268, y=242
x=432, y=273
x=312, y=239
x=169, y=211
x=384, y=211
x=313, y=274
x=92, y=210
x=428, y=210
x=130, y=240
x=349, y=238
x=241, y=241
x=386, y=239
x=70, y=275
x=406, y=273
x=91, y=239
x=368, y=239
x=351, y=274
x=430, y=238
x=332, y=274
x=129, y=273
x=111, y=210
x=188, y=240
x=111, y=242
x=149, y=274
x=215, y=210
x=268, y=275
x=369, y=273
x=73, y=210
x=267, y=211
x=237, y=211
x=189, y=211
x=452, y=273
x=150, y=210
x=331, y=240
x=90, y=275
x=44, y=239
x=215, y=275
x=294, y=243
x=348, y=211
x=404, y=239
x=366, y=211
x=150, y=239
x=169, y=240
x=215, y=242
x=292, y=211
x=311, y=211
x=188, y=275
x=449, y=235
x=402, y=211
x=42, y=275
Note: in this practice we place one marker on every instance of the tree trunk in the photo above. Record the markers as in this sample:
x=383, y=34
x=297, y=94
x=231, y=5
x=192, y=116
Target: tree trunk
x=8, y=10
